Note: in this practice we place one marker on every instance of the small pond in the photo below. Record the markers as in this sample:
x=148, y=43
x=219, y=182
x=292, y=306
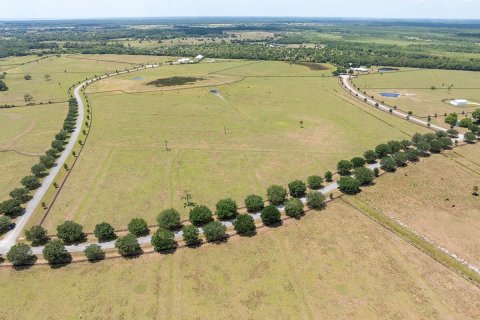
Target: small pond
x=390, y=94
x=138, y=78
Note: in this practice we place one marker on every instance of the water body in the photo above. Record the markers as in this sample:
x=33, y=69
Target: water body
x=390, y=94
x=139, y=78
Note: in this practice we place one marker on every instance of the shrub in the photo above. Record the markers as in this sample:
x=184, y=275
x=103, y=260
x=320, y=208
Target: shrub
x=394, y=146
x=127, y=245
x=417, y=137
x=37, y=235
x=38, y=169
x=315, y=200
x=11, y=207
x=315, y=182
x=52, y=152
x=276, y=194
x=294, y=208
x=370, y=156
x=169, y=219
x=376, y=172
x=364, y=175
x=70, y=232
x=465, y=123
x=163, y=240
x=200, y=215
x=21, y=194
x=349, y=185
x=244, y=224
x=387, y=164
x=470, y=137
x=435, y=146
x=297, y=188
x=20, y=254
x=452, y=133
x=104, y=232
x=423, y=147
x=58, y=144
x=47, y=161
x=254, y=203
x=412, y=154
x=406, y=144
x=452, y=119
x=5, y=224
x=56, y=253
x=190, y=235
x=344, y=167
x=94, y=252
x=358, y=162
x=382, y=150
x=62, y=135
x=270, y=215
x=138, y=227
x=328, y=176
x=31, y=182
x=445, y=142
x=215, y=231
x=400, y=159
x=441, y=134
x=226, y=209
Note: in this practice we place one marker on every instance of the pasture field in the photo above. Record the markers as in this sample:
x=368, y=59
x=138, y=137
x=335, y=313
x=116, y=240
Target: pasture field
x=230, y=144
x=51, y=77
x=434, y=198
x=27, y=130
x=335, y=263
x=416, y=91
x=30, y=129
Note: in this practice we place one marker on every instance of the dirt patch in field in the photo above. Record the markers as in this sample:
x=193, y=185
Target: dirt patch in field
x=174, y=81
x=312, y=66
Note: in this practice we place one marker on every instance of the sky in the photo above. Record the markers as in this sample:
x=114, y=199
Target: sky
x=68, y=9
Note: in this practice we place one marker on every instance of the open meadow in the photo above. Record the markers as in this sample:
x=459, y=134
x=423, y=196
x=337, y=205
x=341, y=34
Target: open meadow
x=51, y=77
x=335, y=263
x=434, y=198
x=30, y=129
x=424, y=92
x=146, y=148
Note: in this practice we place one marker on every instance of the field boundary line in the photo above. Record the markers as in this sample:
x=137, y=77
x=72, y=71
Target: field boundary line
x=440, y=254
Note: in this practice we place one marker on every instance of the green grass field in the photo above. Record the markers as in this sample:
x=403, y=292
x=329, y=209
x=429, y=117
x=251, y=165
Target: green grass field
x=416, y=91
x=129, y=173
x=27, y=130
x=30, y=129
x=64, y=71
x=336, y=263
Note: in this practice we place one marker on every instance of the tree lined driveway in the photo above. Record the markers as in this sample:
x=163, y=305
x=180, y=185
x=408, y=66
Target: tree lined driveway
x=348, y=86
x=11, y=237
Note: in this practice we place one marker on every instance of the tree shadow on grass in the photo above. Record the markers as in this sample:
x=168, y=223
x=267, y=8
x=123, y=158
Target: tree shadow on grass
x=274, y=225
x=26, y=266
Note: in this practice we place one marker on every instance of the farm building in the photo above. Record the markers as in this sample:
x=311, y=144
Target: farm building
x=458, y=102
x=184, y=61
x=361, y=69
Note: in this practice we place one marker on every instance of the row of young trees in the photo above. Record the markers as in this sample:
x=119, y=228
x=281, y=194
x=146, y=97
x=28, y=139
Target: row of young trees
x=12, y=208
x=353, y=175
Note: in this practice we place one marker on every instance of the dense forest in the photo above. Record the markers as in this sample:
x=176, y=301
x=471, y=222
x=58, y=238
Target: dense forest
x=401, y=43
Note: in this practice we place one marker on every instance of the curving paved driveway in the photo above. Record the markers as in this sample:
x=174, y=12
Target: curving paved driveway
x=345, y=80
x=10, y=237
